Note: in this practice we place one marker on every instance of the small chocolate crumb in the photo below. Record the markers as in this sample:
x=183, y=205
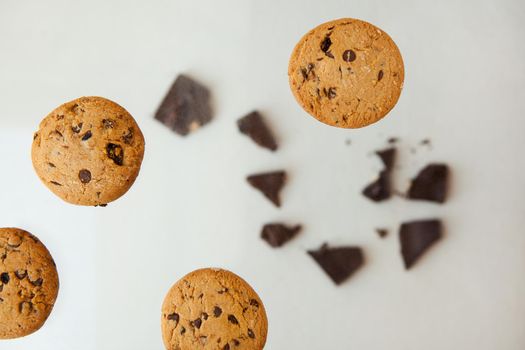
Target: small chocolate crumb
x=226, y=347
x=204, y=316
x=393, y=140
x=417, y=237
x=338, y=263
x=182, y=330
x=270, y=184
x=379, y=190
x=425, y=142
x=349, y=56
x=254, y=302
x=87, y=135
x=85, y=176
x=217, y=311
x=232, y=319
x=254, y=126
x=381, y=232
x=4, y=277
x=277, y=234
x=128, y=137
x=236, y=342
x=115, y=153
x=380, y=75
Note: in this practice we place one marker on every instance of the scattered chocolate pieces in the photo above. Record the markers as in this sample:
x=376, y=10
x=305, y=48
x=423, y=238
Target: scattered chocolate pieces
x=382, y=232
x=416, y=237
x=270, y=184
x=379, y=190
x=339, y=263
x=254, y=126
x=277, y=234
x=387, y=157
x=430, y=184
x=186, y=106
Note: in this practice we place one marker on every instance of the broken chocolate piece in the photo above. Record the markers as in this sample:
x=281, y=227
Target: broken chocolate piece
x=379, y=190
x=186, y=106
x=416, y=237
x=270, y=184
x=382, y=232
x=87, y=135
x=115, y=153
x=254, y=126
x=387, y=157
x=430, y=184
x=4, y=277
x=217, y=311
x=233, y=319
x=339, y=263
x=277, y=234
x=380, y=75
x=196, y=323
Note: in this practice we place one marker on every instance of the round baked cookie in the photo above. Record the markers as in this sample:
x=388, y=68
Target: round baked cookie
x=88, y=151
x=346, y=73
x=213, y=309
x=28, y=283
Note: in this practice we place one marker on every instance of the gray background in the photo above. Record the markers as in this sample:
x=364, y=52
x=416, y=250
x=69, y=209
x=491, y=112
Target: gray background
x=190, y=206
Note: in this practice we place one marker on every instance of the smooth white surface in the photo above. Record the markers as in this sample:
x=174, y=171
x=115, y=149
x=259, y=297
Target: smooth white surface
x=191, y=207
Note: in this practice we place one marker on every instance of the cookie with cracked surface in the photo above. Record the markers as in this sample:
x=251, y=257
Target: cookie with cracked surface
x=28, y=283
x=213, y=309
x=88, y=151
x=346, y=73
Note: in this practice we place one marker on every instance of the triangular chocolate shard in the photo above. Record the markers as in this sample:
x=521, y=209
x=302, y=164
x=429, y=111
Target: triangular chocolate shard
x=382, y=232
x=339, y=263
x=387, y=157
x=416, y=237
x=186, y=106
x=277, y=234
x=270, y=184
x=379, y=190
x=254, y=126
x=430, y=184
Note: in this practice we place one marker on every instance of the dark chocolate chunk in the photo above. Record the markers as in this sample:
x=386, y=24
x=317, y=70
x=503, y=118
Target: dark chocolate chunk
x=85, y=176
x=38, y=282
x=21, y=274
x=339, y=263
x=128, y=137
x=349, y=56
x=182, y=330
x=382, y=232
x=277, y=234
x=326, y=43
x=174, y=317
x=379, y=190
x=417, y=237
x=251, y=334
x=387, y=157
x=87, y=135
x=270, y=184
x=204, y=316
x=115, y=153
x=186, y=106
x=254, y=126
x=196, y=323
x=232, y=319
x=4, y=277
x=430, y=184
x=236, y=342
x=254, y=302
x=331, y=93
x=226, y=347
x=217, y=311
x=108, y=123
x=76, y=128
x=380, y=75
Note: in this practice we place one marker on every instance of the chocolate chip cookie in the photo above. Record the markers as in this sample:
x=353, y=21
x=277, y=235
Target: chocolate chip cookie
x=28, y=283
x=213, y=309
x=346, y=73
x=88, y=151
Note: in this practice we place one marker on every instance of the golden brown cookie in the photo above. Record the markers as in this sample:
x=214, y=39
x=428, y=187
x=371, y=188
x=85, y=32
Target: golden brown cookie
x=346, y=73
x=28, y=283
x=213, y=309
x=88, y=151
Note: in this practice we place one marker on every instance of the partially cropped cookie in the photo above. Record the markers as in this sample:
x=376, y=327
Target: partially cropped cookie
x=213, y=309
x=346, y=73
x=28, y=283
x=88, y=151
